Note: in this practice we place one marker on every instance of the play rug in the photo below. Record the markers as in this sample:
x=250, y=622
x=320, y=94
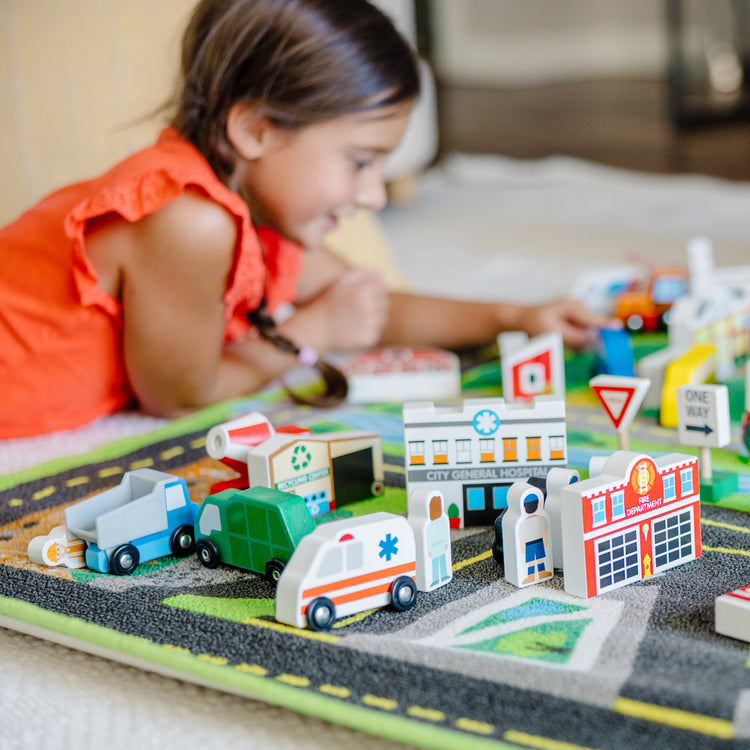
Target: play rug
x=477, y=663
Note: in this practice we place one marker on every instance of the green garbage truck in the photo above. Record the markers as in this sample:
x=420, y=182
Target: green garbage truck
x=256, y=529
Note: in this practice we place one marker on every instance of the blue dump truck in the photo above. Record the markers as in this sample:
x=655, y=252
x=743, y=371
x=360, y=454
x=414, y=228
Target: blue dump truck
x=148, y=515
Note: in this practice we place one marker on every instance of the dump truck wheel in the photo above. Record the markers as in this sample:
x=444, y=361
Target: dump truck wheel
x=182, y=541
x=124, y=560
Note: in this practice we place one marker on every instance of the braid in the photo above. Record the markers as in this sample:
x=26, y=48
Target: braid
x=336, y=387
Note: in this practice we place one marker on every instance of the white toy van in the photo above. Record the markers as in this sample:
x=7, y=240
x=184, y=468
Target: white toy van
x=348, y=566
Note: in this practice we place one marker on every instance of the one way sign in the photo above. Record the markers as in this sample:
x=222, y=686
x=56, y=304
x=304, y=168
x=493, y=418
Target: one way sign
x=703, y=415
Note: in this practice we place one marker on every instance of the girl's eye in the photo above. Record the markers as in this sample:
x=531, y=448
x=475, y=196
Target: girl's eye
x=360, y=164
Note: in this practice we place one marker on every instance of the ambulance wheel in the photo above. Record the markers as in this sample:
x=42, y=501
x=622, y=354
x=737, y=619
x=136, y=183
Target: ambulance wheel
x=207, y=553
x=403, y=593
x=273, y=570
x=124, y=560
x=321, y=614
x=182, y=541
x=377, y=488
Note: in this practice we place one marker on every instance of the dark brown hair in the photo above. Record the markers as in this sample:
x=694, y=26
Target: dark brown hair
x=297, y=61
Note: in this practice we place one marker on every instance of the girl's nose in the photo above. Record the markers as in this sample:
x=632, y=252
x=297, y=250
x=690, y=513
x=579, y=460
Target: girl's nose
x=371, y=192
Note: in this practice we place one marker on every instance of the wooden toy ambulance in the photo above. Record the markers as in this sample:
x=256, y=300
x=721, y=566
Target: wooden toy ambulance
x=348, y=566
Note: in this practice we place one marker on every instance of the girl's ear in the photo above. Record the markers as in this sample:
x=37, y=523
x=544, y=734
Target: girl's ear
x=248, y=131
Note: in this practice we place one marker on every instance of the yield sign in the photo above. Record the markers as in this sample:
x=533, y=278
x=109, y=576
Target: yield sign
x=620, y=396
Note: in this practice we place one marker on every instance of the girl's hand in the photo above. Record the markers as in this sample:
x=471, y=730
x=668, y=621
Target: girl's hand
x=569, y=317
x=350, y=313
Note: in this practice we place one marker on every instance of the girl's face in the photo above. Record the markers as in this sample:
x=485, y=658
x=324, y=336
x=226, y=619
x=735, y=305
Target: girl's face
x=306, y=180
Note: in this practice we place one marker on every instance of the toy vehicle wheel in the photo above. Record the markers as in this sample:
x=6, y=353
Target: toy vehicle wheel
x=634, y=323
x=273, y=570
x=208, y=553
x=403, y=594
x=124, y=560
x=321, y=614
x=182, y=541
x=377, y=488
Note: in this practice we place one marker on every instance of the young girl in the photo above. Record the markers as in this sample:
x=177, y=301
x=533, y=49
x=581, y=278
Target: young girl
x=136, y=287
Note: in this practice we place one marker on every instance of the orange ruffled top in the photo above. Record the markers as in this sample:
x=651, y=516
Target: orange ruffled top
x=61, y=359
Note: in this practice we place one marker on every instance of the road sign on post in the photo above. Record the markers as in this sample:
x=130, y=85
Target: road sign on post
x=621, y=398
x=703, y=419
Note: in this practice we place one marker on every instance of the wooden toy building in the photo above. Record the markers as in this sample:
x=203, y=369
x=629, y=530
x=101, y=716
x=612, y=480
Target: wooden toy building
x=473, y=453
x=328, y=470
x=640, y=516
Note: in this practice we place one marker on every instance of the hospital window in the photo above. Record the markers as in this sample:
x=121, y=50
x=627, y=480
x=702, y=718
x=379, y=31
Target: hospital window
x=440, y=451
x=500, y=497
x=686, y=481
x=618, y=504
x=533, y=449
x=669, y=488
x=487, y=450
x=557, y=447
x=475, y=498
x=599, y=511
x=510, y=452
x=416, y=452
x=463, y=451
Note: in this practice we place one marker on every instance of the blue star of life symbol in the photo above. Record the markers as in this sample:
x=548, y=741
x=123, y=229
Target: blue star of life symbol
x=388, y=547
x=485, y=422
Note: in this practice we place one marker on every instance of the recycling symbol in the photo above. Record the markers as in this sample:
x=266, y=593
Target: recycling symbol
x=301, y=458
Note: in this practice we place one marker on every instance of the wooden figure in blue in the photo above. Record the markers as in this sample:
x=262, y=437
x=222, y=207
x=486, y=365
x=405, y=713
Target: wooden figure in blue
x=527, y=551
x=429, y=522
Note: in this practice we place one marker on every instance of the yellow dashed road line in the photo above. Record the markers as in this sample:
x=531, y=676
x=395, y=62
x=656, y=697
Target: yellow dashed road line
x=727, y=550
x=376, y=701
x=281, y=628
x=722, y=525
x=539, y=743
x=218, y=660
x=470, y=561
x=77, y=481
x=109, y=471
x=41, y=494
x=173, y=452
x=293, y=679
x=255, y=669
x=335, y=690
x=429, y=714
x=674, y=717
x=144, y=463
x=473, y=726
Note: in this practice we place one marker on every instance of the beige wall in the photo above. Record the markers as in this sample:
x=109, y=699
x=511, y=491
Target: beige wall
x=74, y=76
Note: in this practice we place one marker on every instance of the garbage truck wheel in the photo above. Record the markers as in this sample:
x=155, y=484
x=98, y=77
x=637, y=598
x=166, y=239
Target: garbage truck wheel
x=207, y=553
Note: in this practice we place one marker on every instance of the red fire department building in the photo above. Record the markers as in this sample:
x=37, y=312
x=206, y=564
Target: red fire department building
x=640, y=516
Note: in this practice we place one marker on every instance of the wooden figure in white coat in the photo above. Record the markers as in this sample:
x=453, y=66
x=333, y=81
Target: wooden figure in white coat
x=429, y=522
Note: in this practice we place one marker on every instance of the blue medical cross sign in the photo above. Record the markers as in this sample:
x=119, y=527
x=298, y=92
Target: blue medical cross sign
x=485, y=422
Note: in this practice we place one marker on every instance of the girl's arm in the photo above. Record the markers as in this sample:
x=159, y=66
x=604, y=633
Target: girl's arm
x=451, y=324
